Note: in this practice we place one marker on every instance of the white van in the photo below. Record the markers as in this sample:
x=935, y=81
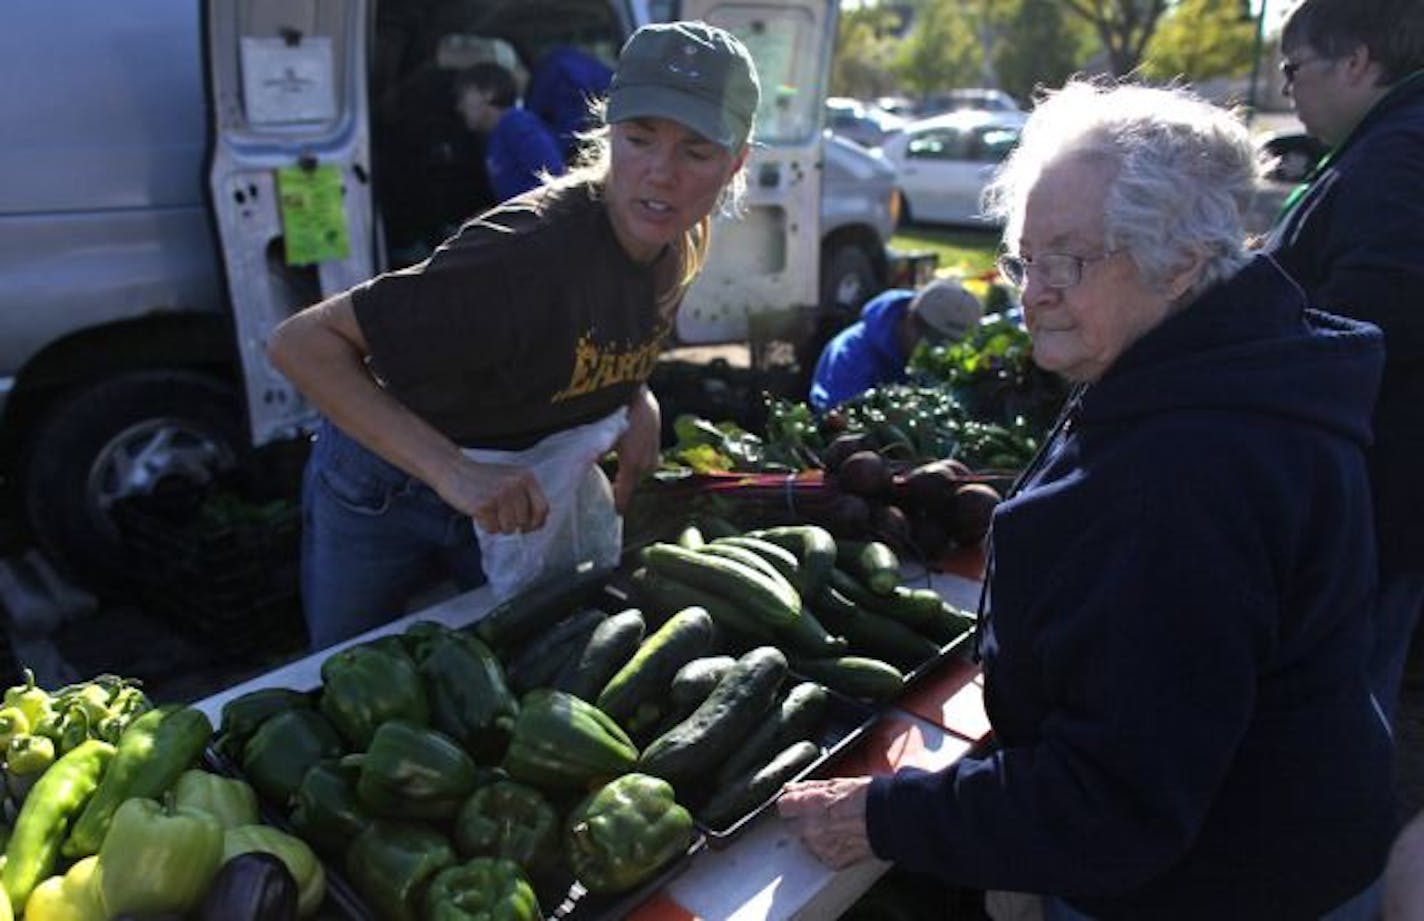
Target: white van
x=179, y=177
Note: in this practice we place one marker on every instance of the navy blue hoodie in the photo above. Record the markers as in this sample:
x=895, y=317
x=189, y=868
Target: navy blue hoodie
x=1176, y=649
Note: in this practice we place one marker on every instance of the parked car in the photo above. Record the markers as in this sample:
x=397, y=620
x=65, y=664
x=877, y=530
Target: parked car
x=982, y=98
x=860, y=207
x=1290, y=156
x=867, y=125
x=944, y=162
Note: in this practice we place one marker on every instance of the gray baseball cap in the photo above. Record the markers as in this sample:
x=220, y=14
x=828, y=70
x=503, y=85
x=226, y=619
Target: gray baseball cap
x=947, y=309
x=693, y=73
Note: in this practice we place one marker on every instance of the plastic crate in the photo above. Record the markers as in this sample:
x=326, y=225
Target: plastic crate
x=218, y=567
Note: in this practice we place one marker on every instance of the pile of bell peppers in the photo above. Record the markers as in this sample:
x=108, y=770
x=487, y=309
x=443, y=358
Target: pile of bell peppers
x=410, y=769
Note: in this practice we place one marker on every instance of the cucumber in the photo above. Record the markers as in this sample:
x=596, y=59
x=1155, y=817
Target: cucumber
x=690, y=537
x=781, y=559
x=807, y=637
x=531, y=612
x=746, y=793
x=707, y=738
x=749, y=558
x=873, y=634
x=694, y=682
x=793, y=720
x=872, y=562
x=813, y=545
x=774, y=602
x=860, y=677
x=645, y=679
x=663, y=597
x=540, y=661
x=610, y=645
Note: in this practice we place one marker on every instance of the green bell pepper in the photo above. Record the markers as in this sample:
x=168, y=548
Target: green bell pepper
x=483, y=889
x=280, y=751
x=507, y=819
x=242, y=715
x=469, y=699
x=159, y=746
x=563, y=742
x=71, y=897
x=390, y=862
x=29, y=754
x=621, y=833
x=365, y=686
x=306, y=869
x=53, y=802
x=158, y=858
x=13, y=722
x=413, y=772
x=326, y=810
x=231, y=801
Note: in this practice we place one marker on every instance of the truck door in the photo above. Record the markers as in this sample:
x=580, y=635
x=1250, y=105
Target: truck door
x=289, y=175
x=766, y=263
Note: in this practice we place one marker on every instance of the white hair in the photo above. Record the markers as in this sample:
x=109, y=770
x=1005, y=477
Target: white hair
x=1184, y=168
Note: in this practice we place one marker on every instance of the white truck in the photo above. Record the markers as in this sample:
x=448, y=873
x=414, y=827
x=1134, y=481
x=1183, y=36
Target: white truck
x=179, y=177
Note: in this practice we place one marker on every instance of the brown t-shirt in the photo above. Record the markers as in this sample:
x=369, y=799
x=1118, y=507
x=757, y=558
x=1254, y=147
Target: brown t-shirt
x=530, y=320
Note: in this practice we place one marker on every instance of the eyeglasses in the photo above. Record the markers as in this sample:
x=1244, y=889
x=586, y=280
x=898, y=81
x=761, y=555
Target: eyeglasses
x=1290, y=68
x=1058, y=270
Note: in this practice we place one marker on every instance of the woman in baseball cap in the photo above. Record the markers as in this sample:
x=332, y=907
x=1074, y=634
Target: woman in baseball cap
x=528, y=335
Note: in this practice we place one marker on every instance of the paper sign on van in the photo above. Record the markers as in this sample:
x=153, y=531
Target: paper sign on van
x=288, y=83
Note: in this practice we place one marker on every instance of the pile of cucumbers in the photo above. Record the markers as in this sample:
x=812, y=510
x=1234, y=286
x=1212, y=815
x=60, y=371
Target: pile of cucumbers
x=719, y=675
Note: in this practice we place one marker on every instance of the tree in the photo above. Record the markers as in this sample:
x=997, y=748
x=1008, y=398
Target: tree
x=865, y=53
x=1201, y=39
x=1036, y=46
x=1123, y=26
x=942, y=50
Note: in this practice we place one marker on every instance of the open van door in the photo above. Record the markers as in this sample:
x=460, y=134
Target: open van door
x=289, y=174
x=767, y=261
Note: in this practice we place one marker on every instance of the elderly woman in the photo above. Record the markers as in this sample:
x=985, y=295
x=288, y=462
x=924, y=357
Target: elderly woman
x=1175, y=643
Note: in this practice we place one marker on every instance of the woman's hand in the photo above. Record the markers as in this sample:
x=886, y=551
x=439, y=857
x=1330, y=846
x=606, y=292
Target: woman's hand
x=501, y=498
x=639, y=446
x=829, y=817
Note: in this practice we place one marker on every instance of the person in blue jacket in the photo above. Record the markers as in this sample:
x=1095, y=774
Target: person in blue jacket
x=875, y=348
x=1175, y=636
x=520, y=148
x=1354, y=240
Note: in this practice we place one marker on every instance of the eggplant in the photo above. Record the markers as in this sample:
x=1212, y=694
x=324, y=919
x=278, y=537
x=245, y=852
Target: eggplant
x=254, y=886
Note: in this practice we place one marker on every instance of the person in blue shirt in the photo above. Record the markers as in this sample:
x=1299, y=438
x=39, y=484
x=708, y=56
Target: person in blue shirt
x=874, y=349
x=519, y=146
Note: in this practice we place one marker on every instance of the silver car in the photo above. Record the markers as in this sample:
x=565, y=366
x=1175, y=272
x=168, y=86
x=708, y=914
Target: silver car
x=944, y=162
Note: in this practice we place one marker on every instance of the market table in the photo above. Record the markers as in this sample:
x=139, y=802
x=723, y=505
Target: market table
x=764, y=872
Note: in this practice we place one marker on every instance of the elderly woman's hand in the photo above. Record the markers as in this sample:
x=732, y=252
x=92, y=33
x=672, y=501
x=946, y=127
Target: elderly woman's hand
x=829, y=816
x=638, y=448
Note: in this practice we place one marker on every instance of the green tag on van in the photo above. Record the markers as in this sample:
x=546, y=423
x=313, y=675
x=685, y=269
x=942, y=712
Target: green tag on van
x=313, y=219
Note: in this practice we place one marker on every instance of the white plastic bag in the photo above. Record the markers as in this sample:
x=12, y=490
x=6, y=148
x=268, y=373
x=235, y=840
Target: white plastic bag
x=583, y=525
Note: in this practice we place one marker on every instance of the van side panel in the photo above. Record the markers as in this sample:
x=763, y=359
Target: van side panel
x=102, y=209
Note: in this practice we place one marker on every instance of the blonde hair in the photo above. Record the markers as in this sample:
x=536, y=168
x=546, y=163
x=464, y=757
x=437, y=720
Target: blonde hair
x=590, y=168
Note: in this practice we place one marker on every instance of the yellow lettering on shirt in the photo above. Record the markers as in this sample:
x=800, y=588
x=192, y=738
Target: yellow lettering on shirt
x=597, y=367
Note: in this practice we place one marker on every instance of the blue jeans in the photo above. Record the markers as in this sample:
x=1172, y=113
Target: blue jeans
x=1364, y=906
x=373, y=537
x=1401, y=596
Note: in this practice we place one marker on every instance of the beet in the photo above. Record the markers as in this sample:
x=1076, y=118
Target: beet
x=930, y=536
x=842, y=447
x=890, y=524
x=974, y=505
x=848, y=516
x=865, y=473
x=929, y=489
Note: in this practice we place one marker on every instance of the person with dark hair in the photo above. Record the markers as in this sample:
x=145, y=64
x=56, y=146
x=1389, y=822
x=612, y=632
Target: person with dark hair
x=529, y=334
x=1353, y=238
x=519, y=147
x=1172, y=642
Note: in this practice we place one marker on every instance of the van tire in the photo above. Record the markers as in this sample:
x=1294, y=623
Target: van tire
x=848, y=278
x=129, y=435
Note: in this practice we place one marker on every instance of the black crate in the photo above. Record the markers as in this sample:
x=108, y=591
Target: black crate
x=218, y=567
